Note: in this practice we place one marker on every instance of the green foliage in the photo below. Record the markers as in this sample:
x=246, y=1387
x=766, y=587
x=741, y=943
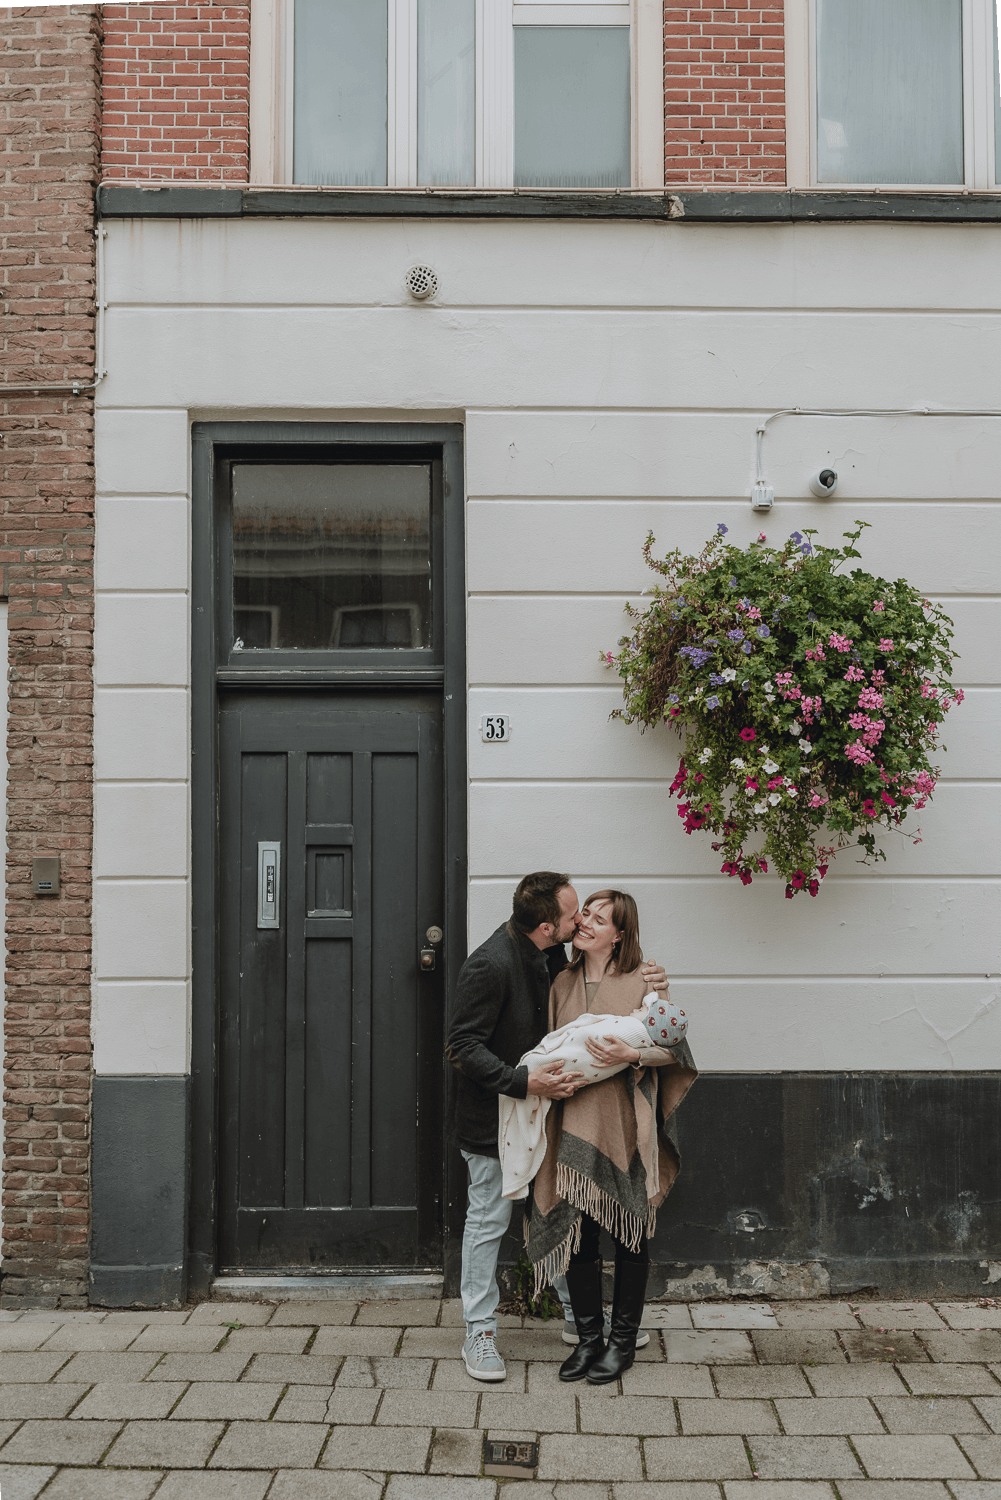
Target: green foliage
x=809, y=699
x=523, y=1299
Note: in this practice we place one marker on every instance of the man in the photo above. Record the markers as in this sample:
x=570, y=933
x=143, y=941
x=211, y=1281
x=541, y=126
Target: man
x=501, y=1011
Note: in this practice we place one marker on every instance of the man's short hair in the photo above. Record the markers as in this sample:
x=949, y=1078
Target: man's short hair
x=537, y=900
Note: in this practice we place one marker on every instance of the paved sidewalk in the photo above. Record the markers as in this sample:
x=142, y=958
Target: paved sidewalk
x=340, y=1401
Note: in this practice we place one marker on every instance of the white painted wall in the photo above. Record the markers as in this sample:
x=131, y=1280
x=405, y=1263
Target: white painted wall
x=610, y=377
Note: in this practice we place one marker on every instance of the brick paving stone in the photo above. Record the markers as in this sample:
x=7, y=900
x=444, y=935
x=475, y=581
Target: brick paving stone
x=989, y=1408
x=18, y=1337
x=973, y=1489
x=358, y=1340
x=798, y=1346
x=591, y=1458
x=269, y=1340
x=950, y=1380
x=450, y=1375
x=702, y=1417
x=804, y=1458
x=71, y=1337
x=639, y=1416
x=727, y=1347
x=427, y=1409
x=19, y=1401
x=392, y=1448
x=167, y=1445
x=332, y=1313
x=666, y=1315
x=308, y=1403
x=101, y=1484
x=902, y=1489
x=456, y=1450
x=66, y=1442
x=977, y=1348
x=222, y=1401
x=314, y=1484
x=778, y=1489
x=666, y=1380
x=120, y=1400
x=424, y=1487
x=738, y=1382
x=226, y=1365
x=213, y=1484
x=98, y=1369
x=692, y=1489
x=270, y=1445
x=814, y=1315
x=732, y=1315
x=21, y=1482
x=963, y=1315
x=186, y=1340
x=912, y=1457
x=422, y=1312
x=695, y=1458
x=394, y=1374
x=983, y=1452
x=828, y=1416
x=550, y=1412
x=16, y=1369
x=143, y=1319
x=856, y=1380
x=899, y=1315
x=292, y=1369
x=903, y=1414
x=252, y=1314
x=886, y=1348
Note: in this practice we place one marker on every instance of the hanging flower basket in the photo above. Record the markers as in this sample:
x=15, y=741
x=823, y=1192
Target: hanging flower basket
x=809, y=699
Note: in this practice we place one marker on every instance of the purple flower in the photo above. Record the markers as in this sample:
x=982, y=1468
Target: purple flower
x=673, y=698
x=796, y=536
x=733, y=583
x=745, y=685
x=763, y=632
x=715, y=679
x=722, y=529
x=735, y=635
x=806, y=549
x=712, y=702
x=746, y=648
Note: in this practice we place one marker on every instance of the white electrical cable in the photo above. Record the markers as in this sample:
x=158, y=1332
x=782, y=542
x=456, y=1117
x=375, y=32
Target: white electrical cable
x=866, y=411
x=78, y=386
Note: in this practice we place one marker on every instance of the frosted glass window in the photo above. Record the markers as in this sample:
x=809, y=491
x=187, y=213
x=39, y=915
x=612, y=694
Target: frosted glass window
x=340, y=103
x=571, y=106
x=446, y=83
x=890, y=91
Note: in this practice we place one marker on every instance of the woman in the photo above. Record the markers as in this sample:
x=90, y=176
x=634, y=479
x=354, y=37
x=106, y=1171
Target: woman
x=610, y=1156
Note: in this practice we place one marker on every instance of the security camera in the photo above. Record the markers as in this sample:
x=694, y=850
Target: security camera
x=824, y=483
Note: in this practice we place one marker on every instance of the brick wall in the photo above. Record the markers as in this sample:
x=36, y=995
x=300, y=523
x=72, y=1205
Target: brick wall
x=49, y=137
x=724, y=94
x=177, y=92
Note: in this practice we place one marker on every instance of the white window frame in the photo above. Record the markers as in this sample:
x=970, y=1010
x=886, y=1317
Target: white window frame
x=271, y=71
x=978, y=105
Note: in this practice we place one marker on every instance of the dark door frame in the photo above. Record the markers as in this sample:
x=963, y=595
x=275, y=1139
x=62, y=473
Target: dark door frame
x=212, y=444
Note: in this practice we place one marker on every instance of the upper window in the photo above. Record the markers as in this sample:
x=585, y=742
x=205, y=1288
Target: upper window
x=458, y=93
x=906, y=93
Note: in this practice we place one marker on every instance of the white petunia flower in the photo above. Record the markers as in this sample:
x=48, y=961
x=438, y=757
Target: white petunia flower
x=738, y=763
x=770, y=767
x=805, y=746
x=793, y=791
x=728, y=674
x=774, y=799
x=705, y=756
x=760, y=807
x=795, y=727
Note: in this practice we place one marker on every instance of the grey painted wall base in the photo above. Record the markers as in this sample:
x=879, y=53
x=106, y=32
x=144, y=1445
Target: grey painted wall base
x=140, y=1155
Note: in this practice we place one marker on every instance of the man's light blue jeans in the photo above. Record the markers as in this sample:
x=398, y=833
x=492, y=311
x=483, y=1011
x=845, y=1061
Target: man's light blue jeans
x=488, y=1214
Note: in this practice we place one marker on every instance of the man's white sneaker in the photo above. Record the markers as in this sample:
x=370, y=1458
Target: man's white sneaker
x=480, y=1356
x=570, y=1332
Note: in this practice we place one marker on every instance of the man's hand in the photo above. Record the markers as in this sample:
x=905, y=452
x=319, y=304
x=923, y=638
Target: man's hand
x=611, y=1050
x=551, y=1082
x=655, y=976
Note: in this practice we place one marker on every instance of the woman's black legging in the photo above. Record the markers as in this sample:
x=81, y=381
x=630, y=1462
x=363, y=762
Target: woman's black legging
x=589, y=1250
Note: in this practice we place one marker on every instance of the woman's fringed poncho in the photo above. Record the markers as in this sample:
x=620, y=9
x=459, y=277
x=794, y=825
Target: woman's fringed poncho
x=611, y=1151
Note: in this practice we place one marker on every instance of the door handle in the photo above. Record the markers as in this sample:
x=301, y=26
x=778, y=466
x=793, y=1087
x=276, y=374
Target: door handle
x=433, y=937
x=269, y=866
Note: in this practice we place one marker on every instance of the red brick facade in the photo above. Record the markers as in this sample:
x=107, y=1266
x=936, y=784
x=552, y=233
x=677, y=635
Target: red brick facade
x=50, y=132
x=176, y=87
x=724, y=105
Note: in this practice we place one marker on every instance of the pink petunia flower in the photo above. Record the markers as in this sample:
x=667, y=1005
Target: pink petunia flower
x=747, y=734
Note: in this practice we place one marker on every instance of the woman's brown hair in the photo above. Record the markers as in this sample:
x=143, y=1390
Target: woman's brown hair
x=627, y=954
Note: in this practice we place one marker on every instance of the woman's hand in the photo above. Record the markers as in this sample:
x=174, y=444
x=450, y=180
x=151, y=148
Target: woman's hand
x=655, y=977
x=611, y=1050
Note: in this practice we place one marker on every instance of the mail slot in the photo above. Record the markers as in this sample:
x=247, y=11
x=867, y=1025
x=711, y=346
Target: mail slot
x=45, y=876
x=269, y=859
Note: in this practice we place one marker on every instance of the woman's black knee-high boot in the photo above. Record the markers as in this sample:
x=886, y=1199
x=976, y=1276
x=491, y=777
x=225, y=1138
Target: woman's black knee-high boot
x=584, y=1284
x=627, y=1314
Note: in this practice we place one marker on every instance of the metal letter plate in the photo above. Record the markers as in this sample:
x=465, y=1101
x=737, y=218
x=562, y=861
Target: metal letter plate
x=269, y=864
x=514, y=1460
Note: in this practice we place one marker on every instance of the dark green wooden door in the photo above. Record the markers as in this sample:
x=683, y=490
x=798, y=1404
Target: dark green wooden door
x=330, y=1032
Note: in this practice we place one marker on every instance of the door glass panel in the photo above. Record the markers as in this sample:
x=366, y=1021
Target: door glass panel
x=339, y=126
x=890, y=91
x=571, y=106
x=331, y=556
x=446, y=59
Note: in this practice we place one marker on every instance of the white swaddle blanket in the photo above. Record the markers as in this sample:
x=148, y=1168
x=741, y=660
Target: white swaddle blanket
x=521, y=1135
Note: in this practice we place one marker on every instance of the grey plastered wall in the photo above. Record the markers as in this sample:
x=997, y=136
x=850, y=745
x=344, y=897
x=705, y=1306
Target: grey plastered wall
x=140, y=1153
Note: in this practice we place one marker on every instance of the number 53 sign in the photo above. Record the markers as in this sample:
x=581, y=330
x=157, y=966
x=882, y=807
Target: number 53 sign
x=495, y=727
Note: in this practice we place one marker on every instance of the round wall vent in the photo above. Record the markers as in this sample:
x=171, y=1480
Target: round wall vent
x=421, y=282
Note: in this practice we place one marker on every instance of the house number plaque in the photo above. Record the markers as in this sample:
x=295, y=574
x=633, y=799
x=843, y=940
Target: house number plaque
x=494, y=728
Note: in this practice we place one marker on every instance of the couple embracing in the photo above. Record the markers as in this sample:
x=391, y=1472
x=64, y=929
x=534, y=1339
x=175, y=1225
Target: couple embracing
x=588, y=1112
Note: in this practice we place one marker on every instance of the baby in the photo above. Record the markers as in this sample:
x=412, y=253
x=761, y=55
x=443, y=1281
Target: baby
x=522, y=1125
